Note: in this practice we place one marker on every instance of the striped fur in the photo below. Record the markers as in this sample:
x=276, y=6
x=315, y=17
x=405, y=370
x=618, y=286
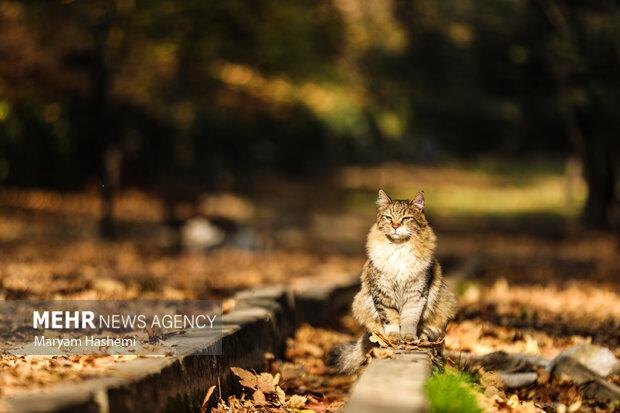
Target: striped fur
x=403, y=292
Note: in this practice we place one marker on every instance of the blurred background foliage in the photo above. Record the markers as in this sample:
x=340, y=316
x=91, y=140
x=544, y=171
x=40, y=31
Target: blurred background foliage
x=178, y=97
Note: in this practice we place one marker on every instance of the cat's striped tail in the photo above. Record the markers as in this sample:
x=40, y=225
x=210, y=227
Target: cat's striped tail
x=347, y=358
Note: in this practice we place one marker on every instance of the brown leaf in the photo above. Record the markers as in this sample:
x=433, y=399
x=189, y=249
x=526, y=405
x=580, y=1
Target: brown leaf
x=281, y=395
x=259, y=398
x=491, y=378
x=248, y=379
x=304, y=349
x=296, y=402
x=318, y=407
x=291, y=371
x=228, y=305
x=543, y=376
x=205, y=402
x=381, y=352
x=382, y=339
x=494, y=391
x=265, y=383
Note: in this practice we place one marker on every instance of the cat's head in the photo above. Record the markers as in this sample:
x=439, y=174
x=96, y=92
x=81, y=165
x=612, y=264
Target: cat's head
x=401, y=219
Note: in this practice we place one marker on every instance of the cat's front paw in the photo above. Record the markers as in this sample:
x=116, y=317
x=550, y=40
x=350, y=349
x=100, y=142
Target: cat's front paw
x=431, y=333
x=392, y=330
x=409, y=337
x=408, y=334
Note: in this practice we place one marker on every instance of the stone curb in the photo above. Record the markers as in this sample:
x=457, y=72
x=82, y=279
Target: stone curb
x=394, y=385
x=260, y=322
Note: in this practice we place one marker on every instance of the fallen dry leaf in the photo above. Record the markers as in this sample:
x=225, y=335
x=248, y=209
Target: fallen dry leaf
x=248, y=379
x=307, y=384
x=381, y=353
x=513, y=401
x=281, y=395
x=491, y=378
x=265, y=383
x=259, y=398
x=205, y=402
x=296, y=401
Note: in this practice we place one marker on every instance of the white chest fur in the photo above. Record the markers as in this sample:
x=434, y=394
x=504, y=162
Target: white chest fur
x=398, y=261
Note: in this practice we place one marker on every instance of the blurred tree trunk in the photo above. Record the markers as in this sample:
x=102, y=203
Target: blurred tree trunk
x=110, y=154
x=597, y=155
x=590, y=127
x=600, y=176
x=179, y=159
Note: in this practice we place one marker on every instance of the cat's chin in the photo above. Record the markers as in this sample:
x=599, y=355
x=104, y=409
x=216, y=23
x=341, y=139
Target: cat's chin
x=397, y=238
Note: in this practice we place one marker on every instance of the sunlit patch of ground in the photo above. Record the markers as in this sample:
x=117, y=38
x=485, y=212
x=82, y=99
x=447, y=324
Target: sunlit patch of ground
x=96, y=270
x=471, y=191
x=481, y=337
x=323, y=208
x=581, y=308
x=565, y=289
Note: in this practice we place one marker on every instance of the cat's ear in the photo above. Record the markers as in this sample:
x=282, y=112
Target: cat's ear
x=383, y=200
x=418, y=201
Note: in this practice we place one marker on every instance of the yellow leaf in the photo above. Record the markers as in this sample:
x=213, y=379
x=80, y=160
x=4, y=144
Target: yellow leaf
x=513, y=401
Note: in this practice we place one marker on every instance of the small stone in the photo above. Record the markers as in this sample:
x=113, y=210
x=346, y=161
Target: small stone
x=593, y=386
x=596, y=358
x=516, y=380
x=200, y=234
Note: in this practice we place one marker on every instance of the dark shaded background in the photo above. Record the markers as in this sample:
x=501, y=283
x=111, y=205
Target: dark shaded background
x=182, y=96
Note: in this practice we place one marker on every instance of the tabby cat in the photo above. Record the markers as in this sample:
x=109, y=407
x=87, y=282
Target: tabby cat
x=403, y=292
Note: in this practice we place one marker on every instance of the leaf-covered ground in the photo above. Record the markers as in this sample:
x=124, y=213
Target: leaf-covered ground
x=302, y=382
x=537, y=283
x=115, y=270
x=19, y=374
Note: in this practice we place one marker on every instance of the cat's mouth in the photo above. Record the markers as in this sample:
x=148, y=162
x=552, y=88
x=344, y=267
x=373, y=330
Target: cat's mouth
x=397, y=236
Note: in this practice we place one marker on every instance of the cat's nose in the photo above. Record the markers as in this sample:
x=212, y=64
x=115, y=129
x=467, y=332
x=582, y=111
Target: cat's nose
x=395, y=225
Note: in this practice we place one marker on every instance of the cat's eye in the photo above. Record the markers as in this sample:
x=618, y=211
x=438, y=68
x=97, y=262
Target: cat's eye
x=387, y=217
x=405, y=219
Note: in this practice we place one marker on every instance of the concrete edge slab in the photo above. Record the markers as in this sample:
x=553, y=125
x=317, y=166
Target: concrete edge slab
x=393, y=385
